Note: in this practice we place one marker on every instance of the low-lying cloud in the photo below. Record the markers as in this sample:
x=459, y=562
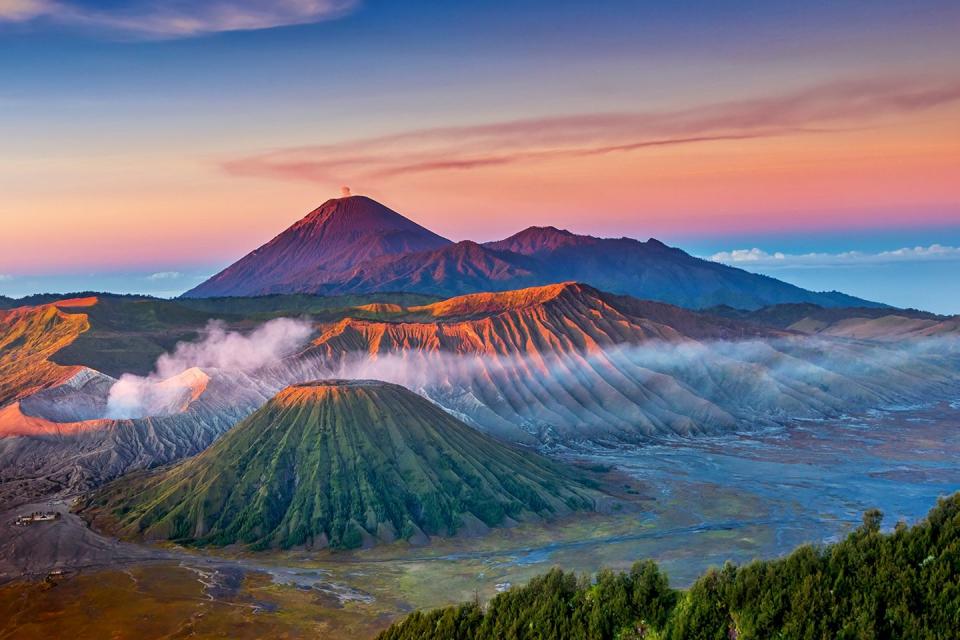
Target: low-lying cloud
x=659, y=388
x=180, y=375
x=165, y=275
x=759, y=257
x=621, y=391
x=176, y=18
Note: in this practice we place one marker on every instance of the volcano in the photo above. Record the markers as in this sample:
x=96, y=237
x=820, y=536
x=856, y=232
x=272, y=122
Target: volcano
x=335, y=237
x=341, y=464
x=355, y=245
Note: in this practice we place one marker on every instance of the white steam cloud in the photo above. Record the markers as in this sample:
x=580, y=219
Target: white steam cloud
x=180, y=376
x=661, y=387
x=619, y=392
x=234, y=351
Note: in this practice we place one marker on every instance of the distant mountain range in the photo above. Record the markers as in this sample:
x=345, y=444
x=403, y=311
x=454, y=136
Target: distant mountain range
x=357, y=245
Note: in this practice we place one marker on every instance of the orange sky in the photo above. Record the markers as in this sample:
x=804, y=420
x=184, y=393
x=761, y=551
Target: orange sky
x=132, y=145
x=121, y=208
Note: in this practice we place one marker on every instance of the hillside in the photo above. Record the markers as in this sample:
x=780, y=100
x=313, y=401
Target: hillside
x=652, y=270
x=355, y=245
x=859, y=323
x=542, y=320
x=464, y=267
x=117, y=334
x=341, y=464
x=29, y=336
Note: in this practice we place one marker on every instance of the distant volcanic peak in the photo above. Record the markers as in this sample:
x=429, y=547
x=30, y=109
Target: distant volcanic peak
x=498, y=302
x=325, y=244
x=356, y=245
x=534, y=240
x=360, y=214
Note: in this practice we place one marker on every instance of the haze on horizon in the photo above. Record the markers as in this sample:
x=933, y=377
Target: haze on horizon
x=820, y=145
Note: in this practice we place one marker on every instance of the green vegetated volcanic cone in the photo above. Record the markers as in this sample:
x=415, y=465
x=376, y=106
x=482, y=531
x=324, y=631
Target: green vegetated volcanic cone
x=341, y=464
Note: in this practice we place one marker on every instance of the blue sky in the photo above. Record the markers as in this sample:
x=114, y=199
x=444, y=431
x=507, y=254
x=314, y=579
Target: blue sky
x=170, y=136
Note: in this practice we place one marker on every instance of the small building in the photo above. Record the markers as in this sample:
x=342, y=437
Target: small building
x=37, y=516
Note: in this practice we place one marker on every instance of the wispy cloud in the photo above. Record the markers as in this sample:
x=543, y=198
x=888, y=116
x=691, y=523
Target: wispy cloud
x=815, y=110
x=165, y=275
x=176, y=18
x=20, y=10
x=5, y=277
x=760, y=258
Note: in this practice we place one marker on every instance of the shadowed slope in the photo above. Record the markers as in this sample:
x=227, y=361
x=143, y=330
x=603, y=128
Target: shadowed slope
x=652, y=270
x=459, y=268
x=341, y=463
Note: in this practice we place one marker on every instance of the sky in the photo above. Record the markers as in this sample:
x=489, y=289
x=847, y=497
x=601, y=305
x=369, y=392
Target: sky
x=145, y=145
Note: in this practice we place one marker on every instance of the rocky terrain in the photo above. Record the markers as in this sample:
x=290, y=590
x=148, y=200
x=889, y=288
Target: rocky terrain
x=28, y=337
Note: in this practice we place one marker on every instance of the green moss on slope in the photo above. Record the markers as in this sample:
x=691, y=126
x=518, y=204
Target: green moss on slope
x=341, y=464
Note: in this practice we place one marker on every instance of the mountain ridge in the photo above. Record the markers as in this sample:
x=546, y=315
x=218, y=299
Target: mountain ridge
x=355, y=245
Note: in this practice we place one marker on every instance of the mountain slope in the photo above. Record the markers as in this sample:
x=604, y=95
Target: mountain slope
x=464, y=267
x=355, y=245
x=567, y=363
x=333, y=238
x=29, y=336
x=537, y=241
x=548, y=320
x=652, y=270
x=341, y=463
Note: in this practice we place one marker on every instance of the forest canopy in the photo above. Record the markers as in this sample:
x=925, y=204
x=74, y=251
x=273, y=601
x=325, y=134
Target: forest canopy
x=902, y=584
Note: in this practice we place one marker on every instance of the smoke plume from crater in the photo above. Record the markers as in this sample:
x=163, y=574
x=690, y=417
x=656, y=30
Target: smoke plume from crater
x=180, y=377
